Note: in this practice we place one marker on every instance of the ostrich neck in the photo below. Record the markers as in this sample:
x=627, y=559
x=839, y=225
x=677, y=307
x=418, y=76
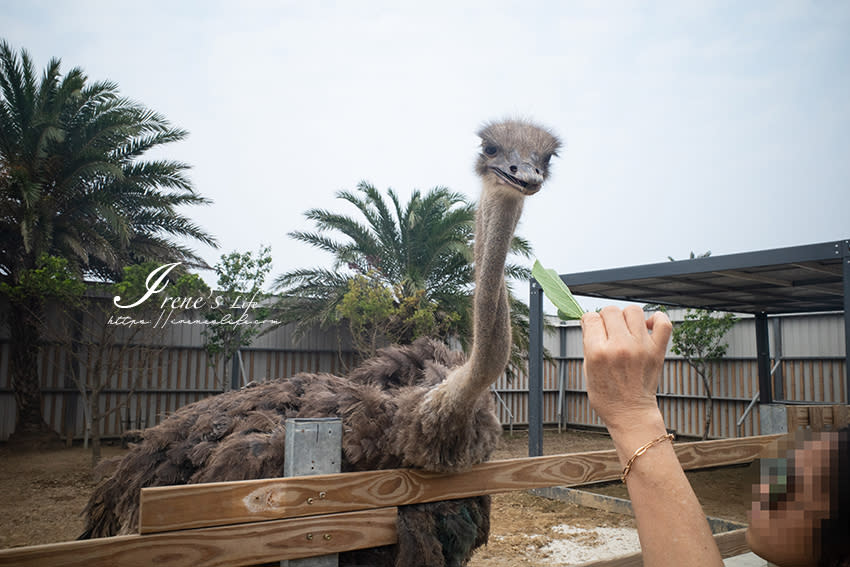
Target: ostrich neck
x=498, y=213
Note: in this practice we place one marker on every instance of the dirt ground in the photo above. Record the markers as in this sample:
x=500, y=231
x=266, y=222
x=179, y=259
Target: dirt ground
x=524, y=526
x=43, y=493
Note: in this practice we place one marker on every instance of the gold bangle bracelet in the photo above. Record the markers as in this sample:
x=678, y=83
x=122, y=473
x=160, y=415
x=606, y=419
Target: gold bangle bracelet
x=643, y=450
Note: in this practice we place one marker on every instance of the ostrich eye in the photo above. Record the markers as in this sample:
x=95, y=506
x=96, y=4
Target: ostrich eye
x=490, y=150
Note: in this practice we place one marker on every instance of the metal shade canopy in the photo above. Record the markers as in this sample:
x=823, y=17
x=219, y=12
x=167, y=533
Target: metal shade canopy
x=797, y=279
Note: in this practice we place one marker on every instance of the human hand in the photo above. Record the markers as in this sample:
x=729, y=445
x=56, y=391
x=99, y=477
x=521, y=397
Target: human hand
x=623, y=357
x=623, y=362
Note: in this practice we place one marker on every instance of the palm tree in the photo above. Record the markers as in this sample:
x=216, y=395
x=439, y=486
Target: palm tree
x=72, y=185
x=423, y=247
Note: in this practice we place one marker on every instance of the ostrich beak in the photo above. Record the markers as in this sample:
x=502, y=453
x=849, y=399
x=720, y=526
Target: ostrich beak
x=522, y=176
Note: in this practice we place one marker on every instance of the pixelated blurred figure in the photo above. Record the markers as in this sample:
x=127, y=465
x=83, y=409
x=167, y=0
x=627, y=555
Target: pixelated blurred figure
x=800, y=511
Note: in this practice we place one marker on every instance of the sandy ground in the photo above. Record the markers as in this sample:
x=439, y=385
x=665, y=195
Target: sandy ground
x=528, y=530
x=43, y=493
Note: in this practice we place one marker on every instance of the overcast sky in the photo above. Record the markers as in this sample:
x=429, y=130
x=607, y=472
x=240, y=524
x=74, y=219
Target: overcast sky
x=721, y=126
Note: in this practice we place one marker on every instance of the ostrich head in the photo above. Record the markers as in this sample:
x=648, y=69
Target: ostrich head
x=513, y=163
x=456, y=425
x=516, y=154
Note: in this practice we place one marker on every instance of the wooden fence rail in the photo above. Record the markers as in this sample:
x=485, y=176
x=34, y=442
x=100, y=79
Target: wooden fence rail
x=250, y=522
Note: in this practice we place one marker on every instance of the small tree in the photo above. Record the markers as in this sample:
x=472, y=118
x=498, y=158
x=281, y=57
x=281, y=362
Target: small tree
x=125, y=340
x=239, y=304
x=104, y=343
x=699, y=339
x=378, y=315
x=97, y=343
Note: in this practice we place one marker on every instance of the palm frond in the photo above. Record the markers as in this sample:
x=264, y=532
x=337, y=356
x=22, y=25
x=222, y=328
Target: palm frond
x=317, y=240
x=79, y=189
x=423, y=245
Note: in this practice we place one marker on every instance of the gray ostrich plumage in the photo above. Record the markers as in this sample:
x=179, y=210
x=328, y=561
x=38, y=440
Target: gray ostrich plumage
x=419, y=405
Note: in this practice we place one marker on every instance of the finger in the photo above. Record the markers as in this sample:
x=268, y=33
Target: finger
x=661, y=328
x=593, y=329
x=615, y=322
x=636, y=321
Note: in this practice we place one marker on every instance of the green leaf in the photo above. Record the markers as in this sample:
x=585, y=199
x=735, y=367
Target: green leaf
x=557, y=292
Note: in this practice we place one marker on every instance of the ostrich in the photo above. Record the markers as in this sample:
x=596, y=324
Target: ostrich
x=419, y=405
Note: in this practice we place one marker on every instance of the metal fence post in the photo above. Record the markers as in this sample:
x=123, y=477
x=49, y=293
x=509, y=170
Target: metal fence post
x=763, y=359
x=562, y=378
x=846, y=286
x=535, y=369
x=313, y=446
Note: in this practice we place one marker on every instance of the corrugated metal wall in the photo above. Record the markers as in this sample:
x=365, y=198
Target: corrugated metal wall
x=163, y=378
x=811, y=369
x=171, y=379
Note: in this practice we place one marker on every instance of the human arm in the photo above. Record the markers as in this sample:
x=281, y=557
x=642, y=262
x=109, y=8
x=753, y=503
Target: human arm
x=623, y=362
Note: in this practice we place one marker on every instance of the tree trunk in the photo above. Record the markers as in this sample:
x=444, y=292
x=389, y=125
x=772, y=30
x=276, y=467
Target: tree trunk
x=709, y=404
x=94, y=412
x=23, y=325
x=73, y=377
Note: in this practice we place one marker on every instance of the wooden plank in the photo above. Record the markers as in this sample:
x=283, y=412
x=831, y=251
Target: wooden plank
x=730, y=544
x=797, y=417
x=187, y=506
x=722, y=452
x=169, y=508
x=817, y=417
x=587, y=499
x=245, y=544
x=840, y=416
